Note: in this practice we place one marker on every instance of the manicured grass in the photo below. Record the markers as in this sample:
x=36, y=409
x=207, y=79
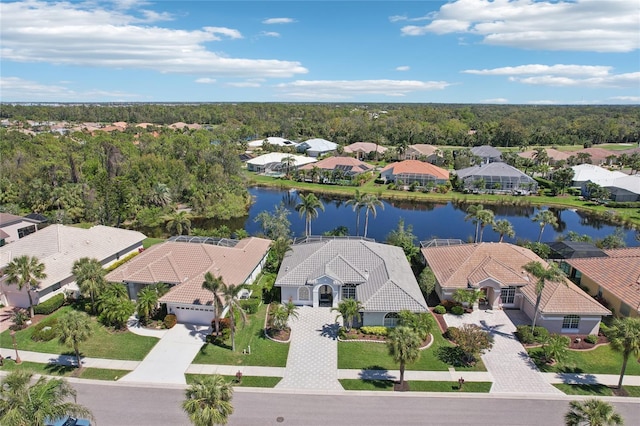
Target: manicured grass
x=375, y=356
x=104, y=343
x=601, y=360
x=599, y=390
x=264, y=352
x=65, y=371
x=415, y=386
x=633, y=391
x=247, y=381
x=148, y=242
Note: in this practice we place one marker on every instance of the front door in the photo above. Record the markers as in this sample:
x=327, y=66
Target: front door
x=326, y=295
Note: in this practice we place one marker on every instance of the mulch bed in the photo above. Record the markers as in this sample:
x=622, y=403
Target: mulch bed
x=582, y=344
x=441, y=322
x=355, y=334
x=281, y=335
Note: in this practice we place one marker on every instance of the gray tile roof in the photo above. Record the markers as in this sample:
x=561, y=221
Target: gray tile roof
x=486, y=151
x=493, y=169
x=382, y=274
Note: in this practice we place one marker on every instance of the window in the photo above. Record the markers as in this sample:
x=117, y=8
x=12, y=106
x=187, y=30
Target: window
x=391, y=319
x=303, y=293
x=625, y=309
x=570, y=322
x=348, y=291
x=23, y=232
x=507, y=295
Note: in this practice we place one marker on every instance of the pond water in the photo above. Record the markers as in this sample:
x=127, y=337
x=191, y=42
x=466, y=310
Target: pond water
x=429, y=220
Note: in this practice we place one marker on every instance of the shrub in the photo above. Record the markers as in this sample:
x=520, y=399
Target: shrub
x=540, y=334
x=592, y=338
x=122, y=261
x=170, y=320
x=440, y=309
x=250, y=306
x=451, y=331
x=374, y=330
x=49, y=306
x=448, y=304
x=457, y=310
x=524, y=334
x=45, y=330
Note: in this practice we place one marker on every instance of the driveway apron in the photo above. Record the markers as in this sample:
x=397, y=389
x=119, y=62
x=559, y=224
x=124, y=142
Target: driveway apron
x=507, y=361
x=313, y=354
x=171, y=356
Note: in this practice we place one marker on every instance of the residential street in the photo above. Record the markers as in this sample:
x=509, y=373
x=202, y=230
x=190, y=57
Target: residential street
x=120, y=405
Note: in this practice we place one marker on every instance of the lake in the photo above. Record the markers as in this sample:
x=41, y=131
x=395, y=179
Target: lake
x=429, y=220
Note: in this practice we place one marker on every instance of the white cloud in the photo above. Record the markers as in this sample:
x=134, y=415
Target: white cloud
x=269, y=34
x=205, y=80
x=626, y=98
x=18, y=89
x=93, y=36
x=244, y=84
x=559, y=69
x=403, y=68
x=580, y=25
x=629, y=80
x=543, y=102
x=494, y=101
x=272, y=21
x=346, y=88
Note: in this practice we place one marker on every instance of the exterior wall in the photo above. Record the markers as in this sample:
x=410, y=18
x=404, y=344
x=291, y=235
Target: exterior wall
x=287, y=293
x=12, y=229
x=373, y=318
x=553, y=323
x=613, y=302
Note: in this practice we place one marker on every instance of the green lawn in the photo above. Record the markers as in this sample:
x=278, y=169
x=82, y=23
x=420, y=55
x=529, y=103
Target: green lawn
x=148, y=242
x=104, y=343
x=375, y=356
x=596, y=390
x=264, y=352
x=247, y=381
x=415, y=386
x=601, y=360
x=65, y=371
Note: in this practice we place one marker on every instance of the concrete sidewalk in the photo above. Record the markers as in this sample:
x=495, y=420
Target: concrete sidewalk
x=428, y=376
x=590, y=379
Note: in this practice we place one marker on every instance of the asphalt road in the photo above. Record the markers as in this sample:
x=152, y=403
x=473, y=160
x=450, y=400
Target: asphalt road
x=119, y=405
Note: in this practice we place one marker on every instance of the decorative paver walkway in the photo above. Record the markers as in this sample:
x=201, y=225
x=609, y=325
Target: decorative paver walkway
x=313, y=354
x=508, y=362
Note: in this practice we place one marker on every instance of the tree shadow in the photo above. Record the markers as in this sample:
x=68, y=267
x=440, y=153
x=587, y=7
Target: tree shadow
x=377, y=376
x=536, y=360
x=59, y=369
x=330, y=330
x=452, y=355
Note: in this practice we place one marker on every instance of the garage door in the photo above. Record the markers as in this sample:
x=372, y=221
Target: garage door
x=194, y=314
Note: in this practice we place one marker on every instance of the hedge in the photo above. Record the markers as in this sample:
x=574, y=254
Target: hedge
x=49, y=306
x=170, y=320
x=375, y=330
x=250, y=306
x=45, y=330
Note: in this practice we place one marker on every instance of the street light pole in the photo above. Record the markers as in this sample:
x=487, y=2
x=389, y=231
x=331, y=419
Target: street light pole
x=15, y=346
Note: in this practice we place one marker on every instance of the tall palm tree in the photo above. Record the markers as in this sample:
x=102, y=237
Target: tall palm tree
x=472, y=214
x=146, y=303
x=356, y=202
x=504, y=227
x=215, y=285
x=484, y=217
x=90, y=278
x=230, y=293
x=26, y=271
x=592, y=412
x=404, y=346
x=179, y=223
x=308, y=208
x=544, y=218
x=208, y=401
x=370, y=202
x=624, y=337
x=542, y=275
x=160, y=195
x=74, y=328
x=23, y=403
x=348, y=309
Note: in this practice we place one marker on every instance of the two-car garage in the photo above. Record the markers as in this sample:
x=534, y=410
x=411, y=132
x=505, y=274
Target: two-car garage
x=192, y=314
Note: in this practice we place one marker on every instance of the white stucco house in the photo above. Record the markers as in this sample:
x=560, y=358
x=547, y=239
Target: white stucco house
x=317, y=147
x=13, y=228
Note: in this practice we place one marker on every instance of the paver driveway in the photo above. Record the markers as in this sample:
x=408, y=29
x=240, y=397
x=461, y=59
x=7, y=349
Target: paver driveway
x=313, y=355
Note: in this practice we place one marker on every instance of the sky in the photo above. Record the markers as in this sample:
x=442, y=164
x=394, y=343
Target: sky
x=462, y=51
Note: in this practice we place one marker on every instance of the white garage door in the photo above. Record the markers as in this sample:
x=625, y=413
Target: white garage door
x=193, y=314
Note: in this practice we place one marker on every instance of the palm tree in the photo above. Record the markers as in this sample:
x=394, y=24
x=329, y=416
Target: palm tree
x=179, y=223
x=90, y=278
x=214, y=285
x=624, y=336
x=592, y=412
x=23, y=403
x=369, y=203
x=542, y=275
x=504, y=227
x=308, y=207
x=26, y=271
x=472, y=213
x=160, y=195
x=404, y=346
x=544, y=218
x=75, y=327
x=208, y=401
x=146, y=303
x=348, y=309
x=484, y=217
x=230, y=293
x=288, y=162
x=356, y=202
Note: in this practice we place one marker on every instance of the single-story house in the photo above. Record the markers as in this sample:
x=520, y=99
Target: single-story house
x=621, y=186
x=347, y=166
x=324, y=271
x=497, y=270
x=17, y=227
x=182, y=263
x=487, y=153
x=553, y=154
x=58, y=247
x=584, y=173
x=496, y=176
x=614, y=279
x=364, y=150
x=277, y=162
x=422, y=151
x=410, y=171
x=317, y=147
x=597, y=155
x=271, y=140
x=625, y=188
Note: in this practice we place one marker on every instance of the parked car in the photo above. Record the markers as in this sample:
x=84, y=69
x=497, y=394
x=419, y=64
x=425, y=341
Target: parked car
x=69, y=421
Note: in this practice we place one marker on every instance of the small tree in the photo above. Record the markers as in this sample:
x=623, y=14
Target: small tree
x=215, y=285
x=404, y=346
x=404, y=238
x=472, y=341
x=348, y=309
x=592, y=412
x=146, y=303
x=555, y=348
x=419, y=322
x=75, y=328
x=544, y=218
x=208, y=401
x=26, y=271
x=230, y=293
x=542, y=274
x=89, y=275
x=427, y=281
x=624, y=336
x=504, y=227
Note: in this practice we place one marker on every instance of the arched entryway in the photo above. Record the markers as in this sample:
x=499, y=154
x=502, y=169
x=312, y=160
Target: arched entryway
x=325, y=296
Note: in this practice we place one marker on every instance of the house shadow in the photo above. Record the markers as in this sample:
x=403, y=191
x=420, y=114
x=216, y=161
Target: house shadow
x=330, y=330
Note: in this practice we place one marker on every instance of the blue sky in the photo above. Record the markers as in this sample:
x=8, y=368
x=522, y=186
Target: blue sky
x=461, y=51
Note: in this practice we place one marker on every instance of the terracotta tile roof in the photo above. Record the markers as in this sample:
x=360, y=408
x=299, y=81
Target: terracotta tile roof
x=553, y=154
x=458, y=266
x=365, y=147
x=423, y=148
x=330, y=163
x=417, y=167
x=185, y=264
x=619, y=273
